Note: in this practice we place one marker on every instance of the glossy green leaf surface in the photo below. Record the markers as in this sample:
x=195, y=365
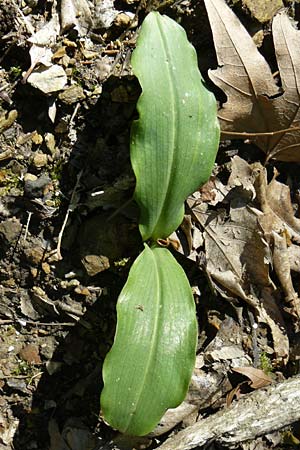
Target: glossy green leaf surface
x=175, y=140
x=149, y=366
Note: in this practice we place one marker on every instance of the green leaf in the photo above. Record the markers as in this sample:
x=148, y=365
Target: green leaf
x=149, y=366
x=175, y=140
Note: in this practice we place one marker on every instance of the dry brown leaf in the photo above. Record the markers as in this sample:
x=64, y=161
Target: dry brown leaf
x=238, y=260
x=237, y=256
x=274, y=198
x=294, y=257
x=242, y=176
x=277, y=222
x=238, y=245
x=283, y=270
x=257, y=376
x=254, y=102
x=275, y=203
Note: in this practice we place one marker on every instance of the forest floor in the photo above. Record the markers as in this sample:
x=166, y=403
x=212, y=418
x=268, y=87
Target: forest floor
x=68, y=230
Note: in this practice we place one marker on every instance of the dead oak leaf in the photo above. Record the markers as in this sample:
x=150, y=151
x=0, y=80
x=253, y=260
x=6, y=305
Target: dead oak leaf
x=257, y=377
x=237, y=256
x=237, y=264
x=276, y=220
x=275, y=203
x=255, y=104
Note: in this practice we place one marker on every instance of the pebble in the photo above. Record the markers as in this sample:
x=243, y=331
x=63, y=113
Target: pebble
x=50, y=142
x=10, y=231
x=30, y=177
x=81, y=290
x=48, y=80
x=34, y=255
x=94, y=264
x=36, y=138
x=40, y=160
x=35, y=187
x=46, y=268
x=122, y=20
x=72, y=94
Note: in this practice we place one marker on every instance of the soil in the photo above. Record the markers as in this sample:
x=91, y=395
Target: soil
x=68, y=231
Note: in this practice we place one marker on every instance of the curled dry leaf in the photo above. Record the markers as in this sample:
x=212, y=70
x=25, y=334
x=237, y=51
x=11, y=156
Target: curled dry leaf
x=277, y=222
x=255, y=104
x=257, y=376
x=275, y=203
x=283, y=270
x=242, y=246
x=238, y=260
x=247, y=262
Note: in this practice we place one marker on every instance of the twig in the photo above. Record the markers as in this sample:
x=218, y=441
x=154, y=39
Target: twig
x=27, y=226
x=256, y=414
x=70, y=209
x=267, y=133
x=30, y=322
x=26, y=22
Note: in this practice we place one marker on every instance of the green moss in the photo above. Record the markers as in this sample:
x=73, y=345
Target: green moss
x=57, y=171
x=8, y=181
x=122, y=262
x=15, y=72
x=265, y=363
x=23, y=368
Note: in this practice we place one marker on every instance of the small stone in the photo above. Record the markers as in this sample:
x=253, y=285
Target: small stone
x=50, y=142
x=69, y=43
x=18, y=385
x=30, y=177
x=48, y=79
x=122, y=20
x=6, y=121
x=10, y=230
x=34, y=272
x=65, y=61
x=258, y=38
x=30, y=354
x=263, y=10
x=73, y=283
x=103, y=68
x=94, y=264
x=37, y=138
x=40, y=160
x=69, y=71
x=46, y=268
x=34, y=188
x=81, y=290
x=72, y=94
x=59, y=53
x=34, y=255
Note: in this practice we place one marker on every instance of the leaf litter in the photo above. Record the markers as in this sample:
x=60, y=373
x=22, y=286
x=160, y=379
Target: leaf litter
x=256, y=104
x=246, y=245
x=243, y=231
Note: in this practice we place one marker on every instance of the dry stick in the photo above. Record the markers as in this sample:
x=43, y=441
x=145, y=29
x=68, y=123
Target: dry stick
x=27, y=226
x=69, y=210
x=30, y=322
x=267, y=133
x=258, y=413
